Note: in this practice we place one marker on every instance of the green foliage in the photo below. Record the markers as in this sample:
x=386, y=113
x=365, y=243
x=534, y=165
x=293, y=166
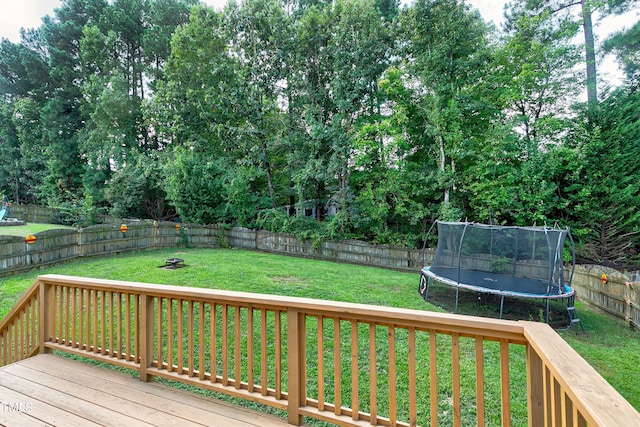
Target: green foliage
x=184, y=240
x=447, y=47
x=301, y=226
x=626, y=46
x=134, y=191
x=76, y=214
x=379, y=120
x=201, y=111
x=195, y=186
x=602, y=189
x=501, y=265
x=535, y=66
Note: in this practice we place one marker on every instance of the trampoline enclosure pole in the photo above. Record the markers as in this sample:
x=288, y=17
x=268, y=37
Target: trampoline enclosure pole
x=464, y=231
x=515, y=256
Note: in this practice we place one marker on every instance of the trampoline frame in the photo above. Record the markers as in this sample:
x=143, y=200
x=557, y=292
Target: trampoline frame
x=564, y=291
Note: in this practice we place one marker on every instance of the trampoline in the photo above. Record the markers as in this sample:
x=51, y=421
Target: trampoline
x=508, y=261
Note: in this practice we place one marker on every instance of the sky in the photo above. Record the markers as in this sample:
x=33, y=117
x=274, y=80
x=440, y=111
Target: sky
x=18, y=14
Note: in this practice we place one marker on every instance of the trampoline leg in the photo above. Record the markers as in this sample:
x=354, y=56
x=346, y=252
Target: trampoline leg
x=426, y=292
x=501, y=305
x=547, y=314
x=457, y=292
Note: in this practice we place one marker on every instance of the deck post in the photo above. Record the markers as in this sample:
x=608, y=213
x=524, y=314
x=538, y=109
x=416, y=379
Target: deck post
x=47, y=315
x=295, y=365
x=145, y=335
x=535, y=388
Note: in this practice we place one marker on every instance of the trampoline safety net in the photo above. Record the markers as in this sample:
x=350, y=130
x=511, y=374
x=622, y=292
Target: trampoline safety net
x=525, y=260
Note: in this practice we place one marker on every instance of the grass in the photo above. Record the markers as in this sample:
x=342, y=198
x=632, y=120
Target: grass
x=608, y=344
x=30, y=228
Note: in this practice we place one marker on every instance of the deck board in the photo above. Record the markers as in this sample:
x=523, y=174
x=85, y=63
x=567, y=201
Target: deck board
x=57, y=391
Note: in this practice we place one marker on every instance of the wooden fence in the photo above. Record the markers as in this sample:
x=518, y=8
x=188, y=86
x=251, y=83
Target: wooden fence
x=619, y=296
x=32, y=213
x=54, y=246
x=43, y=214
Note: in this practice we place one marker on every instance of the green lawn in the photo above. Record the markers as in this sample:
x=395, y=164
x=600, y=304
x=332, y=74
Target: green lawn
x=608, y=345
x=30, y=228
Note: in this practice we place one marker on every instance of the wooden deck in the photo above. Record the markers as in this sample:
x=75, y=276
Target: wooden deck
x=57, y=391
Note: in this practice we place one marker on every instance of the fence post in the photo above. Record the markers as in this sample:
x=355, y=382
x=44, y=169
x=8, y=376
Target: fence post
x=295, y=365
x=627, y=302
x=46, y=314
x=145, y=335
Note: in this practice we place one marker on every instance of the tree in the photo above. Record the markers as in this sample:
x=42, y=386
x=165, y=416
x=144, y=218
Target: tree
x=23, y=71
x=258, y=32
x=626, y=46
x=123, y=53
x=135, y=190
x=202, y=111
x=10, y=172
x=314, y=107
x=62, y=116
x=163, y=16
x=361, y=46
x=536, y=74
x=587, y=9
x=603, y=189
x=195, y=185
x=24, y=86
x=197, y=119
x=445, y=50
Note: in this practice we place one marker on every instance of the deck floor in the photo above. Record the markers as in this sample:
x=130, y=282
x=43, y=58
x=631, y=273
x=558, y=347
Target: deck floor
x=53, y=390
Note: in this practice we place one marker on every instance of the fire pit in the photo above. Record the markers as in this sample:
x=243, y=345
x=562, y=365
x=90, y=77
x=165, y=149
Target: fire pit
x=173, y=263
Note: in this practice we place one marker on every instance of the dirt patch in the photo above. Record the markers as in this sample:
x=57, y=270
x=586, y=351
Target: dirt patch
x=286, y=280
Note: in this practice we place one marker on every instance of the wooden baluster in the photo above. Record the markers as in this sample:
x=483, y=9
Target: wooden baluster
x=373, y=377
x=354, y=372
x=455, y=379
x=201, y=341
x=159, y=338
x=336, y=367
x=479, y=344
x=392, y=375
x=250, y=352
x=190, y=346
x=237, y=336
x=413, y=410
x=213, y=342
x=180, y=337
x=278, y=345
x=170, y=335
x=225, y=345
x=320, y=344
x=433, y=378
x=263, y=352
x=504, y=383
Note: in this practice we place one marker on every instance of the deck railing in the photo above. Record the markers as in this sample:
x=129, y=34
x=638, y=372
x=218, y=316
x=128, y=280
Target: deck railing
x=348, y=364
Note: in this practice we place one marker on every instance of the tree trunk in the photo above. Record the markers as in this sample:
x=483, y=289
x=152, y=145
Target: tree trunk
x=267, y=168
x=443, y=163
x=590, y=54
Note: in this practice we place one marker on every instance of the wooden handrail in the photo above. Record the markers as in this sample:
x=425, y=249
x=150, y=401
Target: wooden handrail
x=19, y=329
x=577, y=382
x=349, y=364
